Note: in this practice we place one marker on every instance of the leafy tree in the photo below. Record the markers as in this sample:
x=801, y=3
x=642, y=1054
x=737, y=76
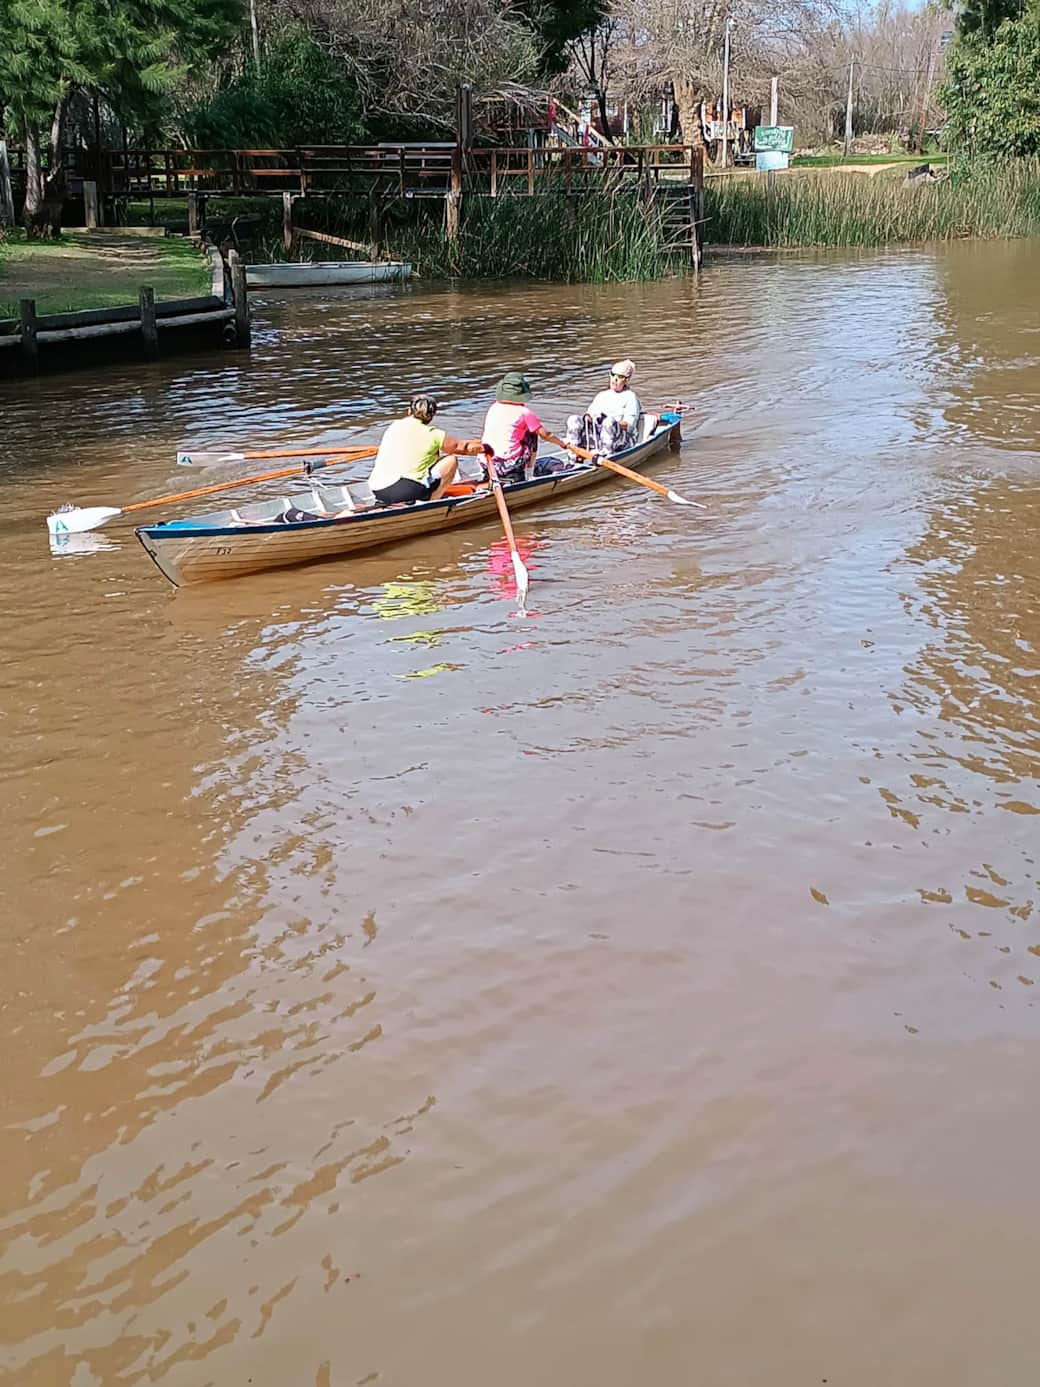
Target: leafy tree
x=986, y=16
x=300, y=95
x=558, y=23
x=992, y=88
x=130, y=52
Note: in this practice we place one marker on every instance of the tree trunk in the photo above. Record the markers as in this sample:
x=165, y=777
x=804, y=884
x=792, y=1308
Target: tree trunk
x=601, y=102
x=688, y=104
x=6, y=195
x=45, y=194
x=33, y=178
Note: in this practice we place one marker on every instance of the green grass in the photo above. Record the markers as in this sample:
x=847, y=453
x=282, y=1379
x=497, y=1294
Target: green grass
x=836, y=159
x=866, y=211
x=97, y=270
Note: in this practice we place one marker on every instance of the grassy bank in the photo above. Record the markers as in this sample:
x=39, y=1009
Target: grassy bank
x=96, y=270
x=838, y=210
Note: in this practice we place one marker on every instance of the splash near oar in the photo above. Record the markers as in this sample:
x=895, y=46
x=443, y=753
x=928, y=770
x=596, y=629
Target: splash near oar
x=74, y=520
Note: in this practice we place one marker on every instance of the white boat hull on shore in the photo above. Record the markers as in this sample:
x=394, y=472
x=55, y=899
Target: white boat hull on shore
x=318, y=274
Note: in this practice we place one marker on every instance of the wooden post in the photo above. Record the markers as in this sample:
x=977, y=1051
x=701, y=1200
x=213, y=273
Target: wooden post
x=453, y=203
x=149, y=330
x=27, y=324
x=774, y=101
x=697, y=205
x=240, y=298
x=494, y=173
x=374, y=228
x=90, y=204
x=848, y=112
x=530, y=172
x=193, y=214
x=287, y=199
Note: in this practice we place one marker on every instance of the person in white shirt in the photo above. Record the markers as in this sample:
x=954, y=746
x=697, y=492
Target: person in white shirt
x=611, y=422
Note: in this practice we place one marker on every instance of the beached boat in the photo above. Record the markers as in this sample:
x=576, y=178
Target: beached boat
x=313, y=274
x=344, y=519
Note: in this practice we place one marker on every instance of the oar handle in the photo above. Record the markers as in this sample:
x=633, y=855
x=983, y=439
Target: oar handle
x=248, y=481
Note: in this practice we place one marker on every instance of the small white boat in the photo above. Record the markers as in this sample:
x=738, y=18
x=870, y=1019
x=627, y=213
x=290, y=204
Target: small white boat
x=307, y=274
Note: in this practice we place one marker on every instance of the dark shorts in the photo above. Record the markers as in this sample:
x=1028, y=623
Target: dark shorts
x=406, y=492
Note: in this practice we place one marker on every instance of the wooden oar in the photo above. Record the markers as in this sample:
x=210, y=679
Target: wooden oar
x=204, y=459
x=76, y=519
x=519, y=567
x=602, y=461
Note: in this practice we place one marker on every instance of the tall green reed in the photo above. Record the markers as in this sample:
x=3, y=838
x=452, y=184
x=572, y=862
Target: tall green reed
x=852, y=209
x=593, y=238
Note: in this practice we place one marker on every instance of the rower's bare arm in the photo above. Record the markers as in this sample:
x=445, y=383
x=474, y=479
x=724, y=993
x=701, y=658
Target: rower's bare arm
x=551, y=438
x=468, y=447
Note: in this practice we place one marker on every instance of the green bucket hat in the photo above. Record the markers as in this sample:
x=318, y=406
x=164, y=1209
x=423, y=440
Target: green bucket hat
x=513, y=388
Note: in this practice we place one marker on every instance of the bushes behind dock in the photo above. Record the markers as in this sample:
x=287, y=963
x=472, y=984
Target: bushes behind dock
x=851, y=209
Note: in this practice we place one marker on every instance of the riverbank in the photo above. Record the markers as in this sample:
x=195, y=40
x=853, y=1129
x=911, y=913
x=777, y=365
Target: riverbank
x=97, y=269
x=842, y=211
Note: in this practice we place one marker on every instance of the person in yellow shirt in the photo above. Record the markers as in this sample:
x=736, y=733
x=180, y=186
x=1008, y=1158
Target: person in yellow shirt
x=416, y=461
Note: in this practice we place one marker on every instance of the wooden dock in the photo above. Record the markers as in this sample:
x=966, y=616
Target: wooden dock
x=147, y=323
x=380, y=174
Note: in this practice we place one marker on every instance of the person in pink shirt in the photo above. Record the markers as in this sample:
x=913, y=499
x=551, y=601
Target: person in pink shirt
x=512, y=429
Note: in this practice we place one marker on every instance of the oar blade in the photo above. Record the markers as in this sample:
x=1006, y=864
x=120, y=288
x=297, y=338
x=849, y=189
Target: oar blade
x=204, y=459
x=78, y=519
x=523, y=580
x=682, y=501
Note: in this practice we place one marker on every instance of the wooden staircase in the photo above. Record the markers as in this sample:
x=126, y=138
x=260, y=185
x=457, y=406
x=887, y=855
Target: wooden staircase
x=680, y=208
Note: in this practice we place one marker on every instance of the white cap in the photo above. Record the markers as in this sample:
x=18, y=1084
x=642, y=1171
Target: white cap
x=624, y=368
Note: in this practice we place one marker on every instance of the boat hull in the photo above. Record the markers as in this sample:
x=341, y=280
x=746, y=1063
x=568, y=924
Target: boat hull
x=316, y=274
x=196, y=552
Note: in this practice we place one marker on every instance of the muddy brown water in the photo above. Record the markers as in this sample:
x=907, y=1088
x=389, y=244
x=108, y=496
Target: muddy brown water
x=394, y=991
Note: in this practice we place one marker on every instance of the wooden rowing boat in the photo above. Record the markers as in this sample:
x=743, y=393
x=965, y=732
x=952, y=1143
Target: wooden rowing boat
x=344, y=519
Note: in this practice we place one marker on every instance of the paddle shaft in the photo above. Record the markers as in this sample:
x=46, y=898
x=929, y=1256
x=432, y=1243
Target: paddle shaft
x=271, y=454
x=519, y=567
x=601, y=461
x=503, y=510
x=248, y=481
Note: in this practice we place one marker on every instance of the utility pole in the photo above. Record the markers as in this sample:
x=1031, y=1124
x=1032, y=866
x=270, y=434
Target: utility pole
x=927, y=96
x=774, y=101
x=256, y=33
x=725, y=94
x=848, y=112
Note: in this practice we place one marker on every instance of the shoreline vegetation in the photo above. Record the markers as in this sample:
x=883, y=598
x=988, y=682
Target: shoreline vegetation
x=994, y=201
x=590, y=239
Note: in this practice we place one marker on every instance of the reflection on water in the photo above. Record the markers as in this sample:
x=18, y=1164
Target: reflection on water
x=671, y=951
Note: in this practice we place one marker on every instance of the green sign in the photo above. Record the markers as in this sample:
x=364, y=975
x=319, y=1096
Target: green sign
x=774, y=139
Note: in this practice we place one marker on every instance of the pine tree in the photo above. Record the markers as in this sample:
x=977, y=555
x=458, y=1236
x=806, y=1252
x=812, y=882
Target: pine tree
x=132, y=53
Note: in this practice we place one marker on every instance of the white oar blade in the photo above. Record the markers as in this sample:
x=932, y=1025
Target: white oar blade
x=203, y=459
x=522, y=580
x=682, y=501
x=77, y=519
